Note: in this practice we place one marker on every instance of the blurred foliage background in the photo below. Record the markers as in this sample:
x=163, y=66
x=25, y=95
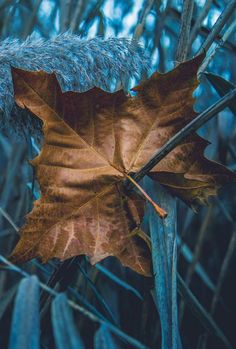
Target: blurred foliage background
x=206, y=241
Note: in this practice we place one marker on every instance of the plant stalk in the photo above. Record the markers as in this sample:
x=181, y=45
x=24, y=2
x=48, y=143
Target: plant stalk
x=164, y=259
x=223, y=18
x=191, y=127
x=197, y=25
x=186, y=18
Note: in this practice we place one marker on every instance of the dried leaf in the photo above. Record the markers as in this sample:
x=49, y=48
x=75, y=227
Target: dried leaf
x=185, y=170
x=83, y=209
x=92, y=140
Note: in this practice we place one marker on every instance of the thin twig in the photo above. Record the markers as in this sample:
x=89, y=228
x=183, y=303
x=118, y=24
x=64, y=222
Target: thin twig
x=161, y=15
x=76, y=19
x=200, y=312
x=220, y=43
x=7, y=18
x=223, y=18
x=196, y=256
x=203, y=31
x=197, y=25
x=137, y=34
x=186, y=18
x=199, y=121
x=160, y=23
x=223, y=271
x=65, y=15
x=199, y=245
x=32, y=19
x=83, y=31
x=142, y=19
x=9, y=219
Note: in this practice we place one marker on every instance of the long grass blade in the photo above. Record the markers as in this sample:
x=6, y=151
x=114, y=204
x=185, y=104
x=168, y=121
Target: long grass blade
x=164, y=257
x=65, y=332
x=216, y=47
x=118, y=281
x=124, y=336
x=103, y=339
x=222, y=86
x=25, y=328
x=98, y=295
x=222, y=19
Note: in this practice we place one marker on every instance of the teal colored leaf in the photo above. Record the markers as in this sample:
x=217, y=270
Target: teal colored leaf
x=103, y=339
x=164, y=259
x=25, y=326
x=222, y=86
x=64, y=329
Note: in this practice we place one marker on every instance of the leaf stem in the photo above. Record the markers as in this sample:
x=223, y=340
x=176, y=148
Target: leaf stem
x=160, y=211
x=191, y=127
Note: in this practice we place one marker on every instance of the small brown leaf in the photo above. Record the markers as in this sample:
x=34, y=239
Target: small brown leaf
x=92, y=141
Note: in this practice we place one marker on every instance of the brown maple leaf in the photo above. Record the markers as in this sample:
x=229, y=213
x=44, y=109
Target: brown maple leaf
x=92, y=141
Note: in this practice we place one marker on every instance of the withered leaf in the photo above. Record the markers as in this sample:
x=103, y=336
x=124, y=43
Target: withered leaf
x=92, y=140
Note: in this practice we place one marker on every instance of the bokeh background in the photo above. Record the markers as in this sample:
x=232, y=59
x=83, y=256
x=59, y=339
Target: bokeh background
x=206, y=241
